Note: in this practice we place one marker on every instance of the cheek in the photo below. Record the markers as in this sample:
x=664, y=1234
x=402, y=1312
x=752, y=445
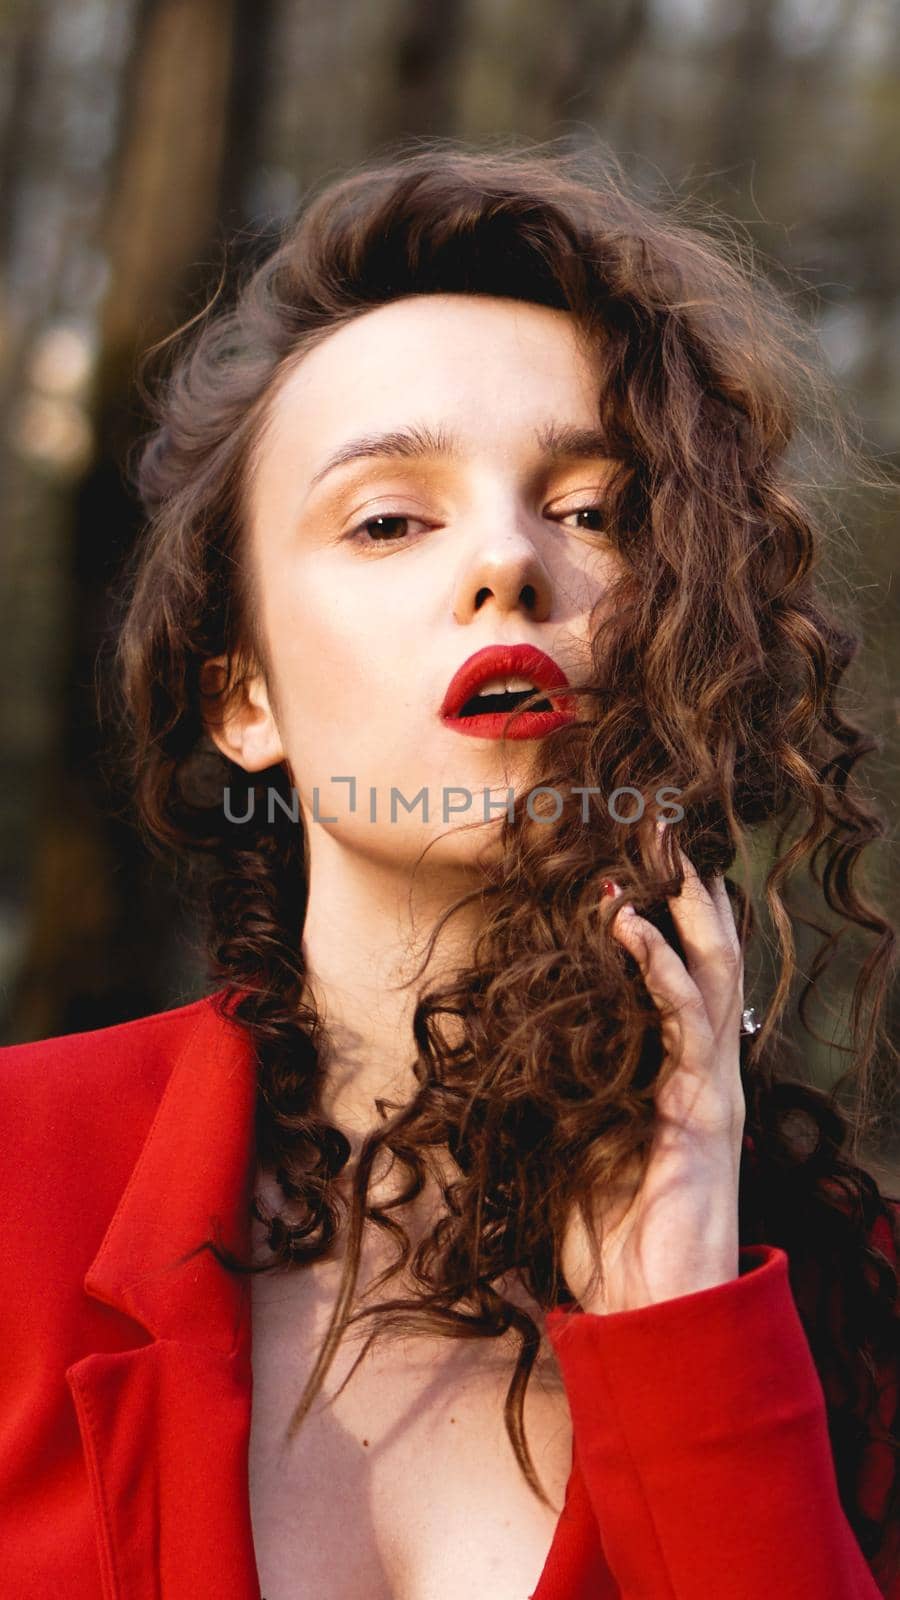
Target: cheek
x=594, y=581
x=328, y=645
x=597, y=566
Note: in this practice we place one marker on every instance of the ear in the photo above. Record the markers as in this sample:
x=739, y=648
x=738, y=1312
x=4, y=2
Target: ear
x=245, y=731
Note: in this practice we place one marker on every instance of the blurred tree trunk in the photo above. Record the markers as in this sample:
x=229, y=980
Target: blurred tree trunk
x=67, y=72
x=101, y=933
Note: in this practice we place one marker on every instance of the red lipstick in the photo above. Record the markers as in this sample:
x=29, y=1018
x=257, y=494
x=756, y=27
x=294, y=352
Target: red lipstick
x=523, y=662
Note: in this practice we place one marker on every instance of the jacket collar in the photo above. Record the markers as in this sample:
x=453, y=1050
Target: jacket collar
x=165, y=1426
x=195, y=1166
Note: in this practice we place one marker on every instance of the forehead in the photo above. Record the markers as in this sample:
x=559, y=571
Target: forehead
x=491, y=365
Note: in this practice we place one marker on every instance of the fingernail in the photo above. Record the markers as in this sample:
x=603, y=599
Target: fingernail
x=661, y=824
x=608, y=887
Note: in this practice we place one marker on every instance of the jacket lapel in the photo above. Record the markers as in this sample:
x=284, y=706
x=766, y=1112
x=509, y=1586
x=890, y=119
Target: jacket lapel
x=165, y=1426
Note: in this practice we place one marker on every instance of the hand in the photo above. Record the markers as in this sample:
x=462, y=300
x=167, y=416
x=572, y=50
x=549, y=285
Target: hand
x=677, y=1232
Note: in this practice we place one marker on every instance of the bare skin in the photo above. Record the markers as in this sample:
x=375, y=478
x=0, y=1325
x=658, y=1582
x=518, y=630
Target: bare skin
x=405, y=1487
x=494, y=538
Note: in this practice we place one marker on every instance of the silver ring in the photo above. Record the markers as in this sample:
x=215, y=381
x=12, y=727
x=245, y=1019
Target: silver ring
x=750, y=1022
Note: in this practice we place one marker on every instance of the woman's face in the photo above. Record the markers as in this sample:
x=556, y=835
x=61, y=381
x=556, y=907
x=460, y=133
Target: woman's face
x=426, y=486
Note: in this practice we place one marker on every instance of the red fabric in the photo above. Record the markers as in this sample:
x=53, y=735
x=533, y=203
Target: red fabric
x=701, y=1436
x=701, y=1465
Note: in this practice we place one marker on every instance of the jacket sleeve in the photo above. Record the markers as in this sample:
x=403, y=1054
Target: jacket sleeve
x=701, y=1433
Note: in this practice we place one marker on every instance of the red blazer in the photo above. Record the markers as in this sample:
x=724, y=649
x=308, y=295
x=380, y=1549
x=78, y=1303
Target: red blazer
x=701, y=1469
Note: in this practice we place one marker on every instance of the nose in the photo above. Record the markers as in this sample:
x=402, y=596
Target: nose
x=508, y=572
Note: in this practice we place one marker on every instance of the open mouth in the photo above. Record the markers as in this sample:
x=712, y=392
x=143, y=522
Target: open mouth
x=503, y=700
x=500, y=680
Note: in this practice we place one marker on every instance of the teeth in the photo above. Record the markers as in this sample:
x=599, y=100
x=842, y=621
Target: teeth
x=502, y=685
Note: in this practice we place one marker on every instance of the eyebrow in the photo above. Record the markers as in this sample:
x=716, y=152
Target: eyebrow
x=419, y=442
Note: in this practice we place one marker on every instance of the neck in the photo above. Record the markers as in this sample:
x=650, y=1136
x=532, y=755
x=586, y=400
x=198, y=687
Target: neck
x=365, y=936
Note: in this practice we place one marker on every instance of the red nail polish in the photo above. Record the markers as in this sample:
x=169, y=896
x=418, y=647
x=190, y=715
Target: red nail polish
x=607, y=887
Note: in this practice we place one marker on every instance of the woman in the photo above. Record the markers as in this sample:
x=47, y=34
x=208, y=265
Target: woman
x=480, y=1081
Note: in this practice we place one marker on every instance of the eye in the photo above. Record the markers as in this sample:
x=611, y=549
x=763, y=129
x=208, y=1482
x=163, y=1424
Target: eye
x=386, y=527
x=596, y=513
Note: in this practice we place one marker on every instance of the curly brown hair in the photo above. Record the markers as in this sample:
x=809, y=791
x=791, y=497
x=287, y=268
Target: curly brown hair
x=717, y=672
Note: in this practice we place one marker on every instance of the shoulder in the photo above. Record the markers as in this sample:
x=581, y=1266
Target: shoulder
x=75, y=1113
x=126, y=1057
x=884, y=1232
x=66, y=1101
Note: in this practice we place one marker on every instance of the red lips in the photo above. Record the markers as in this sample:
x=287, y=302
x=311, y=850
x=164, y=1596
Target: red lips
x=510, y=660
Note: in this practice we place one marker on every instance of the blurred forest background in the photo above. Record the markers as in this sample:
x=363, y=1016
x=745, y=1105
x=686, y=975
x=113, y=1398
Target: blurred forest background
x=137, y=137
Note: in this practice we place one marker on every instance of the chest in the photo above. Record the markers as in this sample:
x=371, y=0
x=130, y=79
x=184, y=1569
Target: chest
x=403, y=1485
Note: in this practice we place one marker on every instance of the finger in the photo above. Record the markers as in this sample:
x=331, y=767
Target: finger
x=706, y=1089
x=715, y=897
x=710, y=944
x=666, y=978
x=725, y=908
x=705, y=913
